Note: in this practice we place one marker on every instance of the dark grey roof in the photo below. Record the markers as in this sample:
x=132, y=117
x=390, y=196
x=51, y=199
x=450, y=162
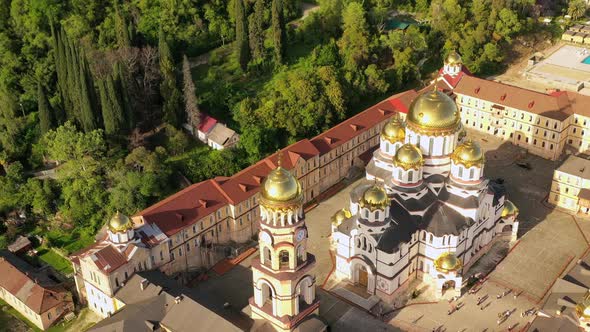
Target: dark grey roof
x=133, y=317
x=400, y=231
x=189, y=315
x=436, y=178
x=155, y=283
x=347, y=225
x=498, y=189
x=441, y=219
x=413, y=204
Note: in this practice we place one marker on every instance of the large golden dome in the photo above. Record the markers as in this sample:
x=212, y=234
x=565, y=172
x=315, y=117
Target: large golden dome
x=394, y=131
x=408, y=156
x=447, y=262
x=509, y=209
x=340, y=216
x=374, y=198
x=120, y=223
x=280, y=186
x=453, y=58
x=468, y=154
x=433, y=113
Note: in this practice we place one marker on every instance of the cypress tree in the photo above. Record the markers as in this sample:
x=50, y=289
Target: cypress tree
x=278, y=30
x=190, y=99
x=241, y=47
x=168, y=89
x=121, y=27
x=121, y=84
x=256, y=30
x=85, y=95
x=46, y=120
x=112, y=111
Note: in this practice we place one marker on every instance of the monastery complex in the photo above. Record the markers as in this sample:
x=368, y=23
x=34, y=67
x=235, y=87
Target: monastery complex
x=426, y=210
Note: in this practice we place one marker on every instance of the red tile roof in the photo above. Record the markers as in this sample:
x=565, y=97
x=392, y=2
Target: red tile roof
x=555, y=106
x=36, y=297
x=348, y=129
x=453, y=81
x=185, y=207
x=109, y=259
x=193, y=203
x=207, y=123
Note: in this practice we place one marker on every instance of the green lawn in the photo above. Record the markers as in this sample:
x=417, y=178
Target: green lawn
x=54, y=259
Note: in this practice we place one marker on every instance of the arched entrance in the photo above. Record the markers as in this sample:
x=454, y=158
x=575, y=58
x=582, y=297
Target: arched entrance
x=449, y=285
x=265, y=296
x=363, y=279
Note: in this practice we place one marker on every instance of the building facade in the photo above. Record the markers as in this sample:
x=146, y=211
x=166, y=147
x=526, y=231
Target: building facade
x=429, y=213
x=284, y=285
x=570, y=188
x=42, y=305
x=545, y=124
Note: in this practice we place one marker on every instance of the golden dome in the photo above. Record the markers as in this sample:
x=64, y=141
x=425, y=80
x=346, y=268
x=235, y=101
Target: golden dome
x=120, y=223
x=374, y=198
x=509, y=209
x=468, y=154
x=394, y=131
x=408, y=156
x=447, y=262
x=433, y=113
x=280, y=186
x=340, y=216
x=583, y=308
x=453, y=58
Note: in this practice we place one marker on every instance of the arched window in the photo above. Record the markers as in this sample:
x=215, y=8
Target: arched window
x=444, y=240
x=399, y=174
x=410, y=176
x=267, y=258
x=471, y=173
x=377, y=214
x=300, y=254
x=283, y=259
x=358, y=242
x=460, y=171
x=430, y=238
x=430, y=146
x=364, y=243
x=424, y=236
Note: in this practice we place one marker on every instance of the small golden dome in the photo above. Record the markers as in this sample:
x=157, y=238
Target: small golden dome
x=433, y=113
x=408, y=156
x=468, y=154
x=447, y=262
x=280, y=186
x=394, y=131
x=340, y=216
x=374, y=198
x=509, y=209
x=453, y=59
x=120, y=223
x=583, y=308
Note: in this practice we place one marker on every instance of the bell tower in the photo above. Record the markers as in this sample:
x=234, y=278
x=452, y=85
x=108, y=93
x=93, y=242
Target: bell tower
x=284, y=287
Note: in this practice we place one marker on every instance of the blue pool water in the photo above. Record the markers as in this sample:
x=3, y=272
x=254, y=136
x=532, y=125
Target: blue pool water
x=586, y=60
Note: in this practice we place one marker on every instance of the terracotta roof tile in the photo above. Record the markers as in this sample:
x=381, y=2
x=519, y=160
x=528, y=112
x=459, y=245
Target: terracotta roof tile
x=36, y=297
x=552, y=106
x=108, y=259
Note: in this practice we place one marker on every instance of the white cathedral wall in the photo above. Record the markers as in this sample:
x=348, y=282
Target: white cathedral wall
x=98, y=301
x=460, y=172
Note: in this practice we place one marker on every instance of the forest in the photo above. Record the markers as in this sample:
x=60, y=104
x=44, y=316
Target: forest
x=99, y=89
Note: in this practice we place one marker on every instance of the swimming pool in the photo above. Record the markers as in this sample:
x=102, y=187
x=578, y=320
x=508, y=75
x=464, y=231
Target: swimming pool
x=586, y=60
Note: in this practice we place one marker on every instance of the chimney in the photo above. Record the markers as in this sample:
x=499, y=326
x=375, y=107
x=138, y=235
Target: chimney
x=143, y=284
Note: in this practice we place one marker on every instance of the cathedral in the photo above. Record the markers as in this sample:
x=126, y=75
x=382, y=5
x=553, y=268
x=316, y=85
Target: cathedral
x=426, y=210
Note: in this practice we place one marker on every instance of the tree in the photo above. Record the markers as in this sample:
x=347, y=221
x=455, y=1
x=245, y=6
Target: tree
x=46, y=119
x=507, y=24
x=168, y=89
x=121, y=27
x=354, y=44
x=256, y=30
x=242, y=50
x=278, y=30
x=191, y=106
x=111, y=103
x=576, y=9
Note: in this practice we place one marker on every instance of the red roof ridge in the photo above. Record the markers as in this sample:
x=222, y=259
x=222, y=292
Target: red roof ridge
x=172, y=197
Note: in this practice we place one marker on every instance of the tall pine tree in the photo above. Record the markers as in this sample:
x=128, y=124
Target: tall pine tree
x=241, y=45
x=46, y=119
x=168, y=89
x=256, y=30
x=278, y=30
x=190, y=99
x=110, y=101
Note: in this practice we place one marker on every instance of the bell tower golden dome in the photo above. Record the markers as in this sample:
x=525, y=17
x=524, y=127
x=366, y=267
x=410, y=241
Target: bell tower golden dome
x=433, y=113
